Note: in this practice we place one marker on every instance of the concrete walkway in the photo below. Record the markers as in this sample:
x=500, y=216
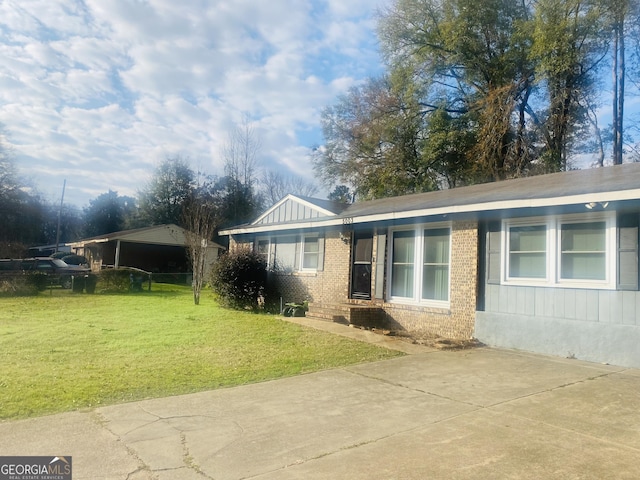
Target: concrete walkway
x=470, y=414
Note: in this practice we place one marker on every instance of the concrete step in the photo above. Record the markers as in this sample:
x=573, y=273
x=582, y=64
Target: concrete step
x=347, y=313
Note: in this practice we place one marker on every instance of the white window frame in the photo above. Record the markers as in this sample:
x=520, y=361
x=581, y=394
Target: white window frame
x=271, y=255
x=554, y=255
x=506, y=278
x=303, y=242
x=418, y=263
x=268, y=255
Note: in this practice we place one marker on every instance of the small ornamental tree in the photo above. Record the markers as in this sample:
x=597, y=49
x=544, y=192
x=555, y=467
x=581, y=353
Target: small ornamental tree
x=200, y=217
x=239, y=279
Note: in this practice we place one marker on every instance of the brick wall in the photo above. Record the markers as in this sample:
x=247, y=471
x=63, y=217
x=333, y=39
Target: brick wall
x=331, y=286
x=458, y=320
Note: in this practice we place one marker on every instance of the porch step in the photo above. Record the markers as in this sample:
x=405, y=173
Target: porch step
x=348, y=314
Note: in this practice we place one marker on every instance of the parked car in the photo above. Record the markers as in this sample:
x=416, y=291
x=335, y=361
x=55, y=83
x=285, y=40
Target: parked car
x=59, y=272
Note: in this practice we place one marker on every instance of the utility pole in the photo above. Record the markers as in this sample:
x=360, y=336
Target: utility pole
x=64, y=185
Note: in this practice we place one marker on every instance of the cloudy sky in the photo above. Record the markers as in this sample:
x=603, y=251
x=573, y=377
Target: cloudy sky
x=98, y=92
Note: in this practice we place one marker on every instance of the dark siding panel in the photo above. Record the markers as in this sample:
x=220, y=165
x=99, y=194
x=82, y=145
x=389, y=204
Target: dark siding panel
x=628, y=252
x=380, y=256
x=494, y=240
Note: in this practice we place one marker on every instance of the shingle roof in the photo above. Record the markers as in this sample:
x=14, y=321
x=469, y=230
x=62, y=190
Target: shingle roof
x=556, y=185
x=335, y=207
x=608, y=184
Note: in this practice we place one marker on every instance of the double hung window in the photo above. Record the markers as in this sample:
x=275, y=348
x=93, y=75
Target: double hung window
x=310, y=253
x=528, y=251
x=583, y=249
x=420, y=265
x=435, y=269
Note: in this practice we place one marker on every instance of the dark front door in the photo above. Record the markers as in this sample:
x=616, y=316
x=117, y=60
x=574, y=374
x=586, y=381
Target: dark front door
x=361, y=265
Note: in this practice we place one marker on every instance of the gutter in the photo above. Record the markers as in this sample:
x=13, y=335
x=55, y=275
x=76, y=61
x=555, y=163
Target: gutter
x=344, y=218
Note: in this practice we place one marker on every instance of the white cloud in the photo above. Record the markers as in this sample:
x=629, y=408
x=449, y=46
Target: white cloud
x=98, y=91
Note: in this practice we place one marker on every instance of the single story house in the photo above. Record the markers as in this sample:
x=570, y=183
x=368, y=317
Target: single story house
x=47, y=250
x=157, y=249
x=547, y=264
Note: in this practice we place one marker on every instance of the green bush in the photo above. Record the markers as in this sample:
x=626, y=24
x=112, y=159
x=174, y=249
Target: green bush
x=239, y=280
x=23, y=284
x=38, y=280
x=120, y=280
x=112, y=280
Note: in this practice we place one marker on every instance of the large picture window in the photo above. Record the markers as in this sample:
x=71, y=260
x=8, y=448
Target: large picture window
x=420, y=265
x=572, y=251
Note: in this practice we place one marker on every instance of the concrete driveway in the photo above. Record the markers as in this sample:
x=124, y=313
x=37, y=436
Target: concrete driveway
x=471, y=414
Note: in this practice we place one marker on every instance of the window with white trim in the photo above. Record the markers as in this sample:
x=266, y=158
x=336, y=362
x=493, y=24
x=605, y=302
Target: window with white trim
x=527, y=251
x=572, y=251
x=435, y=264
x=420, y=266
x=291, y=253
x=583, y=251
x=310, y=252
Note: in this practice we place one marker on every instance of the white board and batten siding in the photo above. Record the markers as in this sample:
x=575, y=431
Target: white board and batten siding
x=291, y=209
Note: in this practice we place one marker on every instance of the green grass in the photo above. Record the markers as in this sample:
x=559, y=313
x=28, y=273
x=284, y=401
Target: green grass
x=62, y=352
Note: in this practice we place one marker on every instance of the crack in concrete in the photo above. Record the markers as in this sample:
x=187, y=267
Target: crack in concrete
x=407, y=387
x=188, y=460
x=566, y=429
x=452, y=417
x=102, y=422
x=138, y=470
x=548, y=390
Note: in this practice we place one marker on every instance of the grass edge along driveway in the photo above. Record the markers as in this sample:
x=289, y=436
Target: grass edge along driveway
x=64, y=351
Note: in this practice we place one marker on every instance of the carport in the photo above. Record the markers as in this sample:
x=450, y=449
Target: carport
x=157, y=249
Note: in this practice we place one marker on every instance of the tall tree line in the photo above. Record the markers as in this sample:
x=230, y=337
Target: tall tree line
x=482, y=91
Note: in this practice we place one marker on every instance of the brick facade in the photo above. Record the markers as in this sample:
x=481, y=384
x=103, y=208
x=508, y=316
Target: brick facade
x=331, y=285
x=458, y=320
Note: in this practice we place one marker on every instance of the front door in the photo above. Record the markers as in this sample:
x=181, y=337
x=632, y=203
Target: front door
x=361, y=257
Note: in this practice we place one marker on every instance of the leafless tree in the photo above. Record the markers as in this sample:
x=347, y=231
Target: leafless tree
x=276, y=186
x=240, y=154
x=200, y=217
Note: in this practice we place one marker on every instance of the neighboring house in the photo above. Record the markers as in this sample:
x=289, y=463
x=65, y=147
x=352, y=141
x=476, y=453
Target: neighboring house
x=46, y=250
x=157, y=249
x=547, y=264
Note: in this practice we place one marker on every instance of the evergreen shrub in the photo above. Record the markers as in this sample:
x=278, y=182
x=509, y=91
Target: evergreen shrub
x=23, y=284
x=239, y=279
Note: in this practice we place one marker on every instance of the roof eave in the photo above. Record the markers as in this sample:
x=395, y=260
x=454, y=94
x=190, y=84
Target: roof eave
x=586, y=198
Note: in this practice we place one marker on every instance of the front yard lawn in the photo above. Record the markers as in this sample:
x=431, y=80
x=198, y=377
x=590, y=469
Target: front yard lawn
x=61, y=351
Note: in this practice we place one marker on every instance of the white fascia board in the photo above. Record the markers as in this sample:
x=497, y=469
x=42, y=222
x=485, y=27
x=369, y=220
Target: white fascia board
x=585, y=198
x=83, y=243
x=282, y=227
